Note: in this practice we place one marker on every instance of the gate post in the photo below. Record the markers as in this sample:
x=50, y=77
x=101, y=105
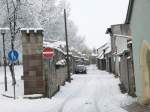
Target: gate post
x=32, y=45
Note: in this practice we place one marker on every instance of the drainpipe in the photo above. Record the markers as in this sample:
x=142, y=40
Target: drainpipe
x=128, y=77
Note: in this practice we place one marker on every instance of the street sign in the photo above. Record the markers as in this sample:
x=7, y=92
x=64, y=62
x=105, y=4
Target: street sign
x=48, y=53
x=13, y=55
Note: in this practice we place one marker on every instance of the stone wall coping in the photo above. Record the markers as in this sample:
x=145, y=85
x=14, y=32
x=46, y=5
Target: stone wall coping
x=28, y=30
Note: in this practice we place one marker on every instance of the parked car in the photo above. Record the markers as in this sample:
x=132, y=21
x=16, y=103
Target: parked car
x=80, y=69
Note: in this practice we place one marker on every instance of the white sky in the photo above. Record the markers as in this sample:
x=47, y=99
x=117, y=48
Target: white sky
x=92, y=18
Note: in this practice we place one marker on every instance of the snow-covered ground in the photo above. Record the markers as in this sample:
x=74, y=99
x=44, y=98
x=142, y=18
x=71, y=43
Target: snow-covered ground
x=97, y=91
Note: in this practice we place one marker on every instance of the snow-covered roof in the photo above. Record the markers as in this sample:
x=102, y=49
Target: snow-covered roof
x=4, y=29
x=70, y=53
x=75, y=56
x=84, y=54
x=49, y=40
x=100, y=56
x=108, y=49
x=72, y=49
x=93, y=54
x=24, y=29
x=102, y=47
x=86, y=59
x=61, y=62
x=56, y=45
x=80, y=57
x=59, y=44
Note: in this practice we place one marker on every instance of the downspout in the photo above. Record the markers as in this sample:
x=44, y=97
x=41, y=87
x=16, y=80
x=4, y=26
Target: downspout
x=128, y=77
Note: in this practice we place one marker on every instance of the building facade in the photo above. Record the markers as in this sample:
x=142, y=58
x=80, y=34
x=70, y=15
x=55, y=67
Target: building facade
x=121, y=41
x=138, y=17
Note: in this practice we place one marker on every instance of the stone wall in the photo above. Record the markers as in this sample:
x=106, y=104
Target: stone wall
x=32, y=43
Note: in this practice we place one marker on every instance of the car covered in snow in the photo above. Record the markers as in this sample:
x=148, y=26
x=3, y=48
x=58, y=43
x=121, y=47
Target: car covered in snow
x=80, y=69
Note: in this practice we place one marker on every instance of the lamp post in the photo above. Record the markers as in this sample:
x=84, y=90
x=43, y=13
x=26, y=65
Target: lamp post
x=3, y=32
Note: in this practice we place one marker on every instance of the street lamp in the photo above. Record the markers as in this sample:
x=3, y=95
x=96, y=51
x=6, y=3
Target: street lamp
x=3, y=32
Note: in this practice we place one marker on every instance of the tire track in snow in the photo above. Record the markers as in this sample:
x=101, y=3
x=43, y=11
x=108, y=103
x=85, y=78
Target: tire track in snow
x=97, y=88
x=95, y=99
x=71, y=96
x=104, y=93
x=79, y=92
x=85, y=83
x=96, y=91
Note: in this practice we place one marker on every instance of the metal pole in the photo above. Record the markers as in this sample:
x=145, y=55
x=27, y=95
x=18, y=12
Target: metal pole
x=66, y=34
x=4, y=59
x=12, y=45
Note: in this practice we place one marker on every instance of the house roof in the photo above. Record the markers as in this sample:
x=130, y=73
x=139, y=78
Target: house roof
x=121, y=30
x=129, y=12
x=108, y=49
x=102, y=47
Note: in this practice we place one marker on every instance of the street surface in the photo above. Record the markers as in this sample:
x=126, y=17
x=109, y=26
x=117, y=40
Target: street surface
x=96, y=91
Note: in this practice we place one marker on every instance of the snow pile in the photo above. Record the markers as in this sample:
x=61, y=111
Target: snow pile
x=93, y=54
x=61, y=62
x=33, y=95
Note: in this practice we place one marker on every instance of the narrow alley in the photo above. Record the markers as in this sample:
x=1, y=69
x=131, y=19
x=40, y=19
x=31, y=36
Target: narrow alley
x=74, y=56
x=96, y=91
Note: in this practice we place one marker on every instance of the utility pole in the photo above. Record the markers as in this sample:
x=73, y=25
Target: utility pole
x=67, y=47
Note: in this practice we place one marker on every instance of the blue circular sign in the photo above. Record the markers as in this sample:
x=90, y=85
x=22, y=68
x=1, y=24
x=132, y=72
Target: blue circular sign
x=13, y=55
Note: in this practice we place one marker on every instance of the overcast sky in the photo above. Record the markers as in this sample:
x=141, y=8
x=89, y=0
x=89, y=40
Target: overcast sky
x=93, y=17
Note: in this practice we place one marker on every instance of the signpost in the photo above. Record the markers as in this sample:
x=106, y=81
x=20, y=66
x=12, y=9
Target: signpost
x=48, y=53
x=13, y=56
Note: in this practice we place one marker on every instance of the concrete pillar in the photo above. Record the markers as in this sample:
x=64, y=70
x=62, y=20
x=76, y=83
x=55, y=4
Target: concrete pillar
x=32, y=43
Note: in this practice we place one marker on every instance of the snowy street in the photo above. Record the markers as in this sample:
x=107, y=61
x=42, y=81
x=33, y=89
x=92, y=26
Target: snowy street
x=96, y=91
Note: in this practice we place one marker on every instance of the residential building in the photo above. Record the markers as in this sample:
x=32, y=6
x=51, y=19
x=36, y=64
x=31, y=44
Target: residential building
x=121, y=42
x=138, y=17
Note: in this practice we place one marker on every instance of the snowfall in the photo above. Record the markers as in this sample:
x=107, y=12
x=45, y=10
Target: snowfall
x=96, y=91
